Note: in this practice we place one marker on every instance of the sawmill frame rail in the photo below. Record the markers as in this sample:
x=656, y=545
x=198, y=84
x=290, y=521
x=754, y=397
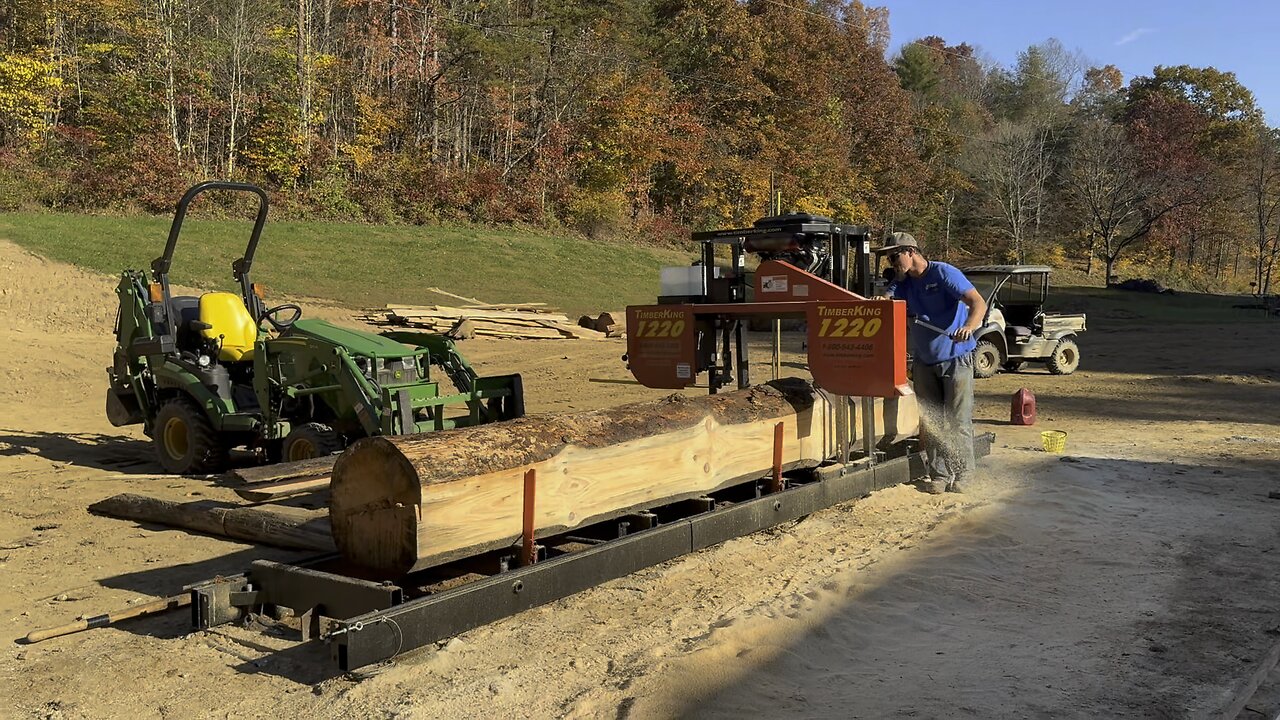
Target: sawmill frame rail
x=366, y=622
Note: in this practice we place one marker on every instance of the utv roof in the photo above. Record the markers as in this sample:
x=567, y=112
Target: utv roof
x=1009, y=269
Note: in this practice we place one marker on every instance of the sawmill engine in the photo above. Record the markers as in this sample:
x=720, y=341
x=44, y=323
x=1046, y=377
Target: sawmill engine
x=807, y=252
x=793, y=239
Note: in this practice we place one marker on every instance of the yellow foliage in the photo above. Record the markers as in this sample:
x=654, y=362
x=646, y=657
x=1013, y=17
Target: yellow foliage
x=813, y=205
x=28, y=87
x=373, y=123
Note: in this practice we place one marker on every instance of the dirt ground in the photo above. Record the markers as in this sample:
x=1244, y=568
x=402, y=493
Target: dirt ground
x=1138, y=575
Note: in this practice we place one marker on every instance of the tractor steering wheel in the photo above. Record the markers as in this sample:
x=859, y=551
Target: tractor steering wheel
x=282, y=325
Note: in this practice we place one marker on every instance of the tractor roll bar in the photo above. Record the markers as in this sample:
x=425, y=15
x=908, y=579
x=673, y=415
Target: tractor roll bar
x=240, y=268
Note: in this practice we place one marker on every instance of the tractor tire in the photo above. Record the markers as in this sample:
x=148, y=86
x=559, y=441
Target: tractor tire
x=986, y=359
x=1065, y=358
x=309, y=441
x=1014, y=366
x=185, y=440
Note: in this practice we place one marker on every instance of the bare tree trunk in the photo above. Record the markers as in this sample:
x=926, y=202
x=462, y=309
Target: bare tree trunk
x=306, y=76
x=239, y=42
x=165, y=15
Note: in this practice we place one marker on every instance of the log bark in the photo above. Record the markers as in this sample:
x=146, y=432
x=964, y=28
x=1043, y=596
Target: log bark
x=280, y=528
x=401, y=504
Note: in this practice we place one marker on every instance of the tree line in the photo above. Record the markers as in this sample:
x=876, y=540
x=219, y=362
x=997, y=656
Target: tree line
x=640, y=119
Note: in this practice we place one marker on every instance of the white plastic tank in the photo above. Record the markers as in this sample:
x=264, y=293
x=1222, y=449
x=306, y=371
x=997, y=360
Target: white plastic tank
x=682, y=281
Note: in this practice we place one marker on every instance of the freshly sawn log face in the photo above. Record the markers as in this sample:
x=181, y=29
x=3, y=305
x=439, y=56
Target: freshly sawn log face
x=400, y=504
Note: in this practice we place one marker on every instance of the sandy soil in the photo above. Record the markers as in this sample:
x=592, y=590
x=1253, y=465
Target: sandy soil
x=1136, y=576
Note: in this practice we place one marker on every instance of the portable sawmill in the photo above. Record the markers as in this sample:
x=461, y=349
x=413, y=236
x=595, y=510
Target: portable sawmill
x=437, y=534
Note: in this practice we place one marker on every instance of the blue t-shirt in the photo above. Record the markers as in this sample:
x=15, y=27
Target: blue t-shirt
x=935, y=297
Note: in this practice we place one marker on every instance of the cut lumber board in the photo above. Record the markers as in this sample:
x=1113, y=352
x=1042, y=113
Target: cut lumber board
x=262, y=492
x=446, y=293
x=576, y=332
x=534, y=307
x=445, y=311
x=401, y=504
x=472, y=301
x=279, y=527
x=300, y=469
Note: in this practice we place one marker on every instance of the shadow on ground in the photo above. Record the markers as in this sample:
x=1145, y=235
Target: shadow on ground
x=114, y=453
x=1026, y=604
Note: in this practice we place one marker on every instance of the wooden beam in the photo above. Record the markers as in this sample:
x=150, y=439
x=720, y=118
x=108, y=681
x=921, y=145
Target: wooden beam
x=400, y=504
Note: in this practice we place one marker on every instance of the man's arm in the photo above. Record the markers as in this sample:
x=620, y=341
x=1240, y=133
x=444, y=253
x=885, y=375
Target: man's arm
x=891, y=285
x=977, y=312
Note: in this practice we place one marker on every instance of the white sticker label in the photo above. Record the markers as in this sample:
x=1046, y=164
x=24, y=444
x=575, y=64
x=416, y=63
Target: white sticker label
x=684, y=371
x=773, y=284
x=800, y=290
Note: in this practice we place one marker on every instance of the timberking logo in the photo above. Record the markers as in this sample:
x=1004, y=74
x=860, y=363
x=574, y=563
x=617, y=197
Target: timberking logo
x=855, y=311
x=658, y=314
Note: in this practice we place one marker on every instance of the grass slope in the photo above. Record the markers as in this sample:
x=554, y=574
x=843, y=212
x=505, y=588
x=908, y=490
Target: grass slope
x=362, y=265
x=372, y=265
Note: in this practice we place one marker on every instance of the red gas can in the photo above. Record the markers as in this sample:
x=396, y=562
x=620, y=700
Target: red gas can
x=1023, y=409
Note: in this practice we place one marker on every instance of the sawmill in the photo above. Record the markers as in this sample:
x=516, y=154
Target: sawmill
x=431, y=534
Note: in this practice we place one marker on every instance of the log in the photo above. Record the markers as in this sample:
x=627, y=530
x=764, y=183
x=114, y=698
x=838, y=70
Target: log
x=604, y=322
x=278, y=527
x=406, y=503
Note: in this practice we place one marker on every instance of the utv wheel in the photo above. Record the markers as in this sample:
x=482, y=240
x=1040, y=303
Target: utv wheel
x=186, y=443
x=1065, y=358
x=309, y=441
x=1014, y=366
x=986, y=359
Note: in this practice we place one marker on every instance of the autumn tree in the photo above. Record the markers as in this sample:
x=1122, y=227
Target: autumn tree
x=1263, y=190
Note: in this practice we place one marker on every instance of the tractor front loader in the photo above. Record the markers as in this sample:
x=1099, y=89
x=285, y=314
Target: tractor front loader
x=209, y=373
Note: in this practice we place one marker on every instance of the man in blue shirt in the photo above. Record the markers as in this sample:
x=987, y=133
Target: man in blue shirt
x=942, y=364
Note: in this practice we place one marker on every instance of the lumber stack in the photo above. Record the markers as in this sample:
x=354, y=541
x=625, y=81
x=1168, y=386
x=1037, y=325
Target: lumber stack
x=464, y=322
x=401, y=504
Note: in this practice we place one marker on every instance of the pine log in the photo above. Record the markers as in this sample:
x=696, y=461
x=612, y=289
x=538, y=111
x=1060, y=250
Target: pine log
x=278, y=527
x=401, y=504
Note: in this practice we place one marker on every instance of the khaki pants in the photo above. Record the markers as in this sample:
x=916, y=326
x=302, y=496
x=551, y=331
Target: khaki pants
x=945, y=394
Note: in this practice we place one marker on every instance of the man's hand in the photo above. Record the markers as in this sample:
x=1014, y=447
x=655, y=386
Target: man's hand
x=977, y=314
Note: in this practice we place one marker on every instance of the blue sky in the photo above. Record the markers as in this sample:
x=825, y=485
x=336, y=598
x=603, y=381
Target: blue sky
x=1134, y=35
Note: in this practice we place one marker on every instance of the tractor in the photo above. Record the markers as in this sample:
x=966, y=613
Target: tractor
x=209, y=373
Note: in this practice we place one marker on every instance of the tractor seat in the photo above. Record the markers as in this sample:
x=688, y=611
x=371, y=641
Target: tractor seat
x=182, y=311
x=228, y=319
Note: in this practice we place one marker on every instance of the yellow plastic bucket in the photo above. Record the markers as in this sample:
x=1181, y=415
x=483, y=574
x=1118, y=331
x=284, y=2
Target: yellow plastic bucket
x=1053, y=441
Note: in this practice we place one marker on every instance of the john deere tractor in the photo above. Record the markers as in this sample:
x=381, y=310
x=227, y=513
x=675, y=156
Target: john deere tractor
x=209, y=373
